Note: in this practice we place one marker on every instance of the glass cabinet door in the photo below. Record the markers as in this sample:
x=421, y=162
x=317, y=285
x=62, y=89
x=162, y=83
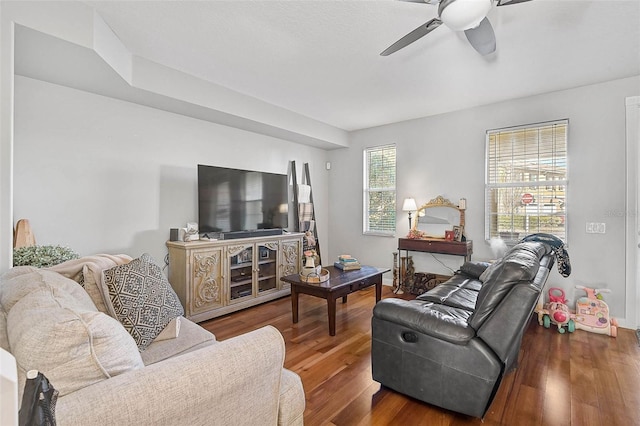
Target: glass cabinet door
x=241, y=272
x=267, y=261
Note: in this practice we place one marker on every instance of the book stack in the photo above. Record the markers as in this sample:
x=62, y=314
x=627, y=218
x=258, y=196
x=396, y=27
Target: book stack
x=346, y=262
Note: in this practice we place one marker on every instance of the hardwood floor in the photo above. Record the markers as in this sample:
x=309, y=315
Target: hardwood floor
x=563, y=379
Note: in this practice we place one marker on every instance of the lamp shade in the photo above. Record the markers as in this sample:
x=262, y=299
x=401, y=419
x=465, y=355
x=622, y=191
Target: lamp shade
x=460, y=15
x=409, y=205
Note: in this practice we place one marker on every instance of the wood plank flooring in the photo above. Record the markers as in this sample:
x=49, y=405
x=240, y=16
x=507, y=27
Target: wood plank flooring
x=562, y=379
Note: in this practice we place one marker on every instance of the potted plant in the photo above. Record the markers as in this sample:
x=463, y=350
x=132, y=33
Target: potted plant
x=42, y=256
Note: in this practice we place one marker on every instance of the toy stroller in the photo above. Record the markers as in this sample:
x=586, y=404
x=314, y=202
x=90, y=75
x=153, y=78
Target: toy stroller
x=592, y=313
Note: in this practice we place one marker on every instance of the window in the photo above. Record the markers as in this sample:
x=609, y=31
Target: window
x=380, y=190
x=526, y=182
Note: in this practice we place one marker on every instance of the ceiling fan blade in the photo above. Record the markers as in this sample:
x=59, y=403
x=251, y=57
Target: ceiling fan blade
x=482, y=37
x=414, y=35
x=508, y=2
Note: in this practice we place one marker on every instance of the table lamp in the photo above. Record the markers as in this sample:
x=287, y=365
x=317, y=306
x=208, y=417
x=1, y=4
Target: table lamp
x=409, y=205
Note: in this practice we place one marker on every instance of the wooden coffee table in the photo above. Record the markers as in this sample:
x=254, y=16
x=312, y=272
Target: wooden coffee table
x=339, y=285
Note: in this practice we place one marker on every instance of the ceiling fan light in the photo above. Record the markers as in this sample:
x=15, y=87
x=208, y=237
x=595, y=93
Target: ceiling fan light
x=460, y=15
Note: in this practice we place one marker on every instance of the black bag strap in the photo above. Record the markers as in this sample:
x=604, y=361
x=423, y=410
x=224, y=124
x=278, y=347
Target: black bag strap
x=38, y=401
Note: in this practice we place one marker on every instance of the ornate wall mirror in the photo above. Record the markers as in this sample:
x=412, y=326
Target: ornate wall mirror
x=436, y=217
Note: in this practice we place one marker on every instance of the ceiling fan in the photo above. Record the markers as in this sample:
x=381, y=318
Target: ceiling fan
x=469, y=16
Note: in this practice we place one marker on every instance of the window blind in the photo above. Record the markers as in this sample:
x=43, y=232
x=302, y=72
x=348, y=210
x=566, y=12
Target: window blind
x=526, y=181
x=380, y=190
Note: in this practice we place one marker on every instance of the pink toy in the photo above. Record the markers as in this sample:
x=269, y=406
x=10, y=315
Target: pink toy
x=557, y=295
x=556, y=312
x=592, y=313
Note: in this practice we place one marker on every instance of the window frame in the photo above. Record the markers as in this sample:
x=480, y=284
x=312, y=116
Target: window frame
x=530, y=183
x=366, y=222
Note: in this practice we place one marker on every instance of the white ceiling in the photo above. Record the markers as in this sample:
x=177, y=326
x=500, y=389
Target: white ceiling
x=321, y=58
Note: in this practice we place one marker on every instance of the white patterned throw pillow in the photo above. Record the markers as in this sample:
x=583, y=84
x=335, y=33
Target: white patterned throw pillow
x=141, y=298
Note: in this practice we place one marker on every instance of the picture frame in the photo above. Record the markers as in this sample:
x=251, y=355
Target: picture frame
x=264, y=254
x=244, y=256
x=457, y=233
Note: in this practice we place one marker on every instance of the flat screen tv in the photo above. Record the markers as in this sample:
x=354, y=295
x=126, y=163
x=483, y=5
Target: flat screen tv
x=231, y=200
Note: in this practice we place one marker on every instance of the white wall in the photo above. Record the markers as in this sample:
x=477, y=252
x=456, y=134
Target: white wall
x=444, y=155
x=106, y=176
x=75, y=22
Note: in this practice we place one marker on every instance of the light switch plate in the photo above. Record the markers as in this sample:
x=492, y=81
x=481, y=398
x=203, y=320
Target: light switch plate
x=596, y=228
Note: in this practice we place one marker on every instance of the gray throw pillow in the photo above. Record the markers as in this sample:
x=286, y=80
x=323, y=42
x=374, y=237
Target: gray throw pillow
x=141, y=298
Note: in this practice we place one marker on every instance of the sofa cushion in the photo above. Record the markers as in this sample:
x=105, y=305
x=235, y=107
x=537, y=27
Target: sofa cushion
x=459, y=292
x=488, y=271
x=538, y=249
x=520, y=264
x=20, y=281
x=10, y=294
x=140, y=297
x=54, y=327
x=191, y=338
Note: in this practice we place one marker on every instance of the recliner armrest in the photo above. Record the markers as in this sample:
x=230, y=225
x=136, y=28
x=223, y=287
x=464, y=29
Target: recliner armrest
x=440, y=321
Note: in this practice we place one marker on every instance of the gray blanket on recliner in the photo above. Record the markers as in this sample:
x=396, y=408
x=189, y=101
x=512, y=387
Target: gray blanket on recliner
x=559, y=249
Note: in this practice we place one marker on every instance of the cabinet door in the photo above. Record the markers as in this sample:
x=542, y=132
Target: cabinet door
x=207, y=281
x=267, y=261
x=241, y=267
x=290, y=252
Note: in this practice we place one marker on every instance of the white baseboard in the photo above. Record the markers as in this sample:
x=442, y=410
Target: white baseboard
x=624, y=323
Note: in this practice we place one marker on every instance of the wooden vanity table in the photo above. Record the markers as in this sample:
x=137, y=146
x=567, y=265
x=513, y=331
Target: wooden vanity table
x=436, y=245
x=432, y=245
x=432, y=220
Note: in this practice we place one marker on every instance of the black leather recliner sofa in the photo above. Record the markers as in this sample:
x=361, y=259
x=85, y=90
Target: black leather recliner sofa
x=452, y=345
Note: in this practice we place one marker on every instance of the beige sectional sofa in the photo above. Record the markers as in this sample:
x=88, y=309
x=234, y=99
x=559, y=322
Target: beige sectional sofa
x=49, y=322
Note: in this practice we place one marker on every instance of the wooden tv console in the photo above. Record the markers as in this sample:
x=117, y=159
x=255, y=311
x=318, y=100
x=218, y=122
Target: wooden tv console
x=217, y=277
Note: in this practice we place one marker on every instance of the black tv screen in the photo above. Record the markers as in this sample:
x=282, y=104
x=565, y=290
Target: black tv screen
x=241, y=200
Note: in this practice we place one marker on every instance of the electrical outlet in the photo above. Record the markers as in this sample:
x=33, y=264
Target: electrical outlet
x=596, y=228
